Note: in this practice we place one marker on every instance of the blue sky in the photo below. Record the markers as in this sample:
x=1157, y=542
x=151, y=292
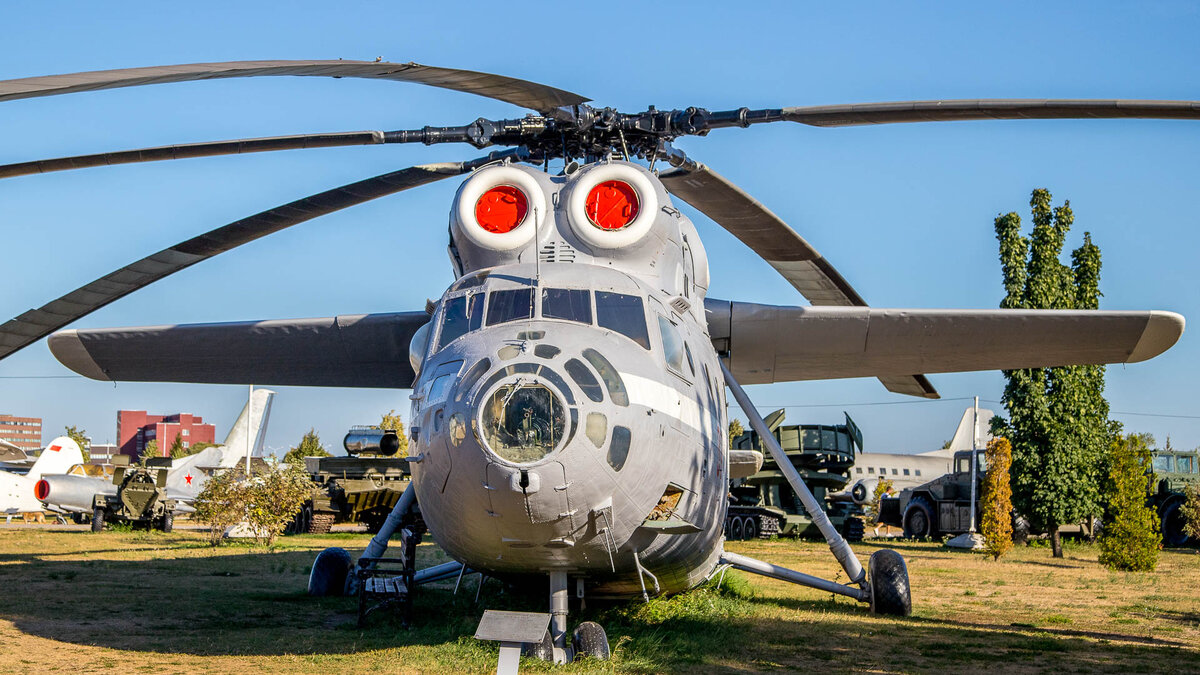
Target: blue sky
x=904, y=211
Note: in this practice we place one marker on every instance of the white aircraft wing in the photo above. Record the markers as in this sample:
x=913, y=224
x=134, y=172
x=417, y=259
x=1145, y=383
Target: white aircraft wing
x=765, y=343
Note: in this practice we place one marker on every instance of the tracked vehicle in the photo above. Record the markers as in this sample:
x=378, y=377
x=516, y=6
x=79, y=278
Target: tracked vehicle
x=764, y=505
x=361, y=487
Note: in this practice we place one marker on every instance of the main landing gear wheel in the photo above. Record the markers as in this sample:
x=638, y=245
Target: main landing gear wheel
x=918, y=519
x=590, y=639
x=888, y=576
x=97, y=519
x=329, y=571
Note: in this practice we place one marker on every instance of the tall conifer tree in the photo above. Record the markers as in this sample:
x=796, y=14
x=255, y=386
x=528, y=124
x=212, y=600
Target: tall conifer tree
x=1058, y=417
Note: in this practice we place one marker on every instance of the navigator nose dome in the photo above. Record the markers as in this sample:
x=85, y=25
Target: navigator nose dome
x=522, y=421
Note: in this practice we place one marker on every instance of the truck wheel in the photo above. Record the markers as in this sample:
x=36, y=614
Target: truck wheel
x=1172, y=524
x=168, y=521
x=736, y=529
x=890, y=593
x=750, y=530
x=98, y=519
x=918, y=519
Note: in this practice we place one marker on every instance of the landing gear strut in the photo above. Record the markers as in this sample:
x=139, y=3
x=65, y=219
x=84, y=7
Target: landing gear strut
x=886, y=588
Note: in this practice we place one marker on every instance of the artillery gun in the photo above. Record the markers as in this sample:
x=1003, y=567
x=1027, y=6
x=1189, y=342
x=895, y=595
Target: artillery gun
x=141, y=495
x=1173, y=471
x=764, y=504
x=361, y=487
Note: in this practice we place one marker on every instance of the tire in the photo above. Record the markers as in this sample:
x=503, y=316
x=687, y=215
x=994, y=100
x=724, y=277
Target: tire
x=590, y=639
x=737, y=529
x=1172, y=524
x=853, y=528
x=918, y=519
x=329, y=572
x=750, y=529
x=98, y=519
x=888, y=576
x=543, y=650
x=168, y=521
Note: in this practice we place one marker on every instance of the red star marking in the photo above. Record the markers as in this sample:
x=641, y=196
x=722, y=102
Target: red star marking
x=188, y=478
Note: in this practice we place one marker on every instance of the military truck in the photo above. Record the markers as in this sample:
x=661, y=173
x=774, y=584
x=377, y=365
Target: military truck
x=764, y=505
x=941, y=506
x=1173, y=471
x=141, y=496
x=361, y=487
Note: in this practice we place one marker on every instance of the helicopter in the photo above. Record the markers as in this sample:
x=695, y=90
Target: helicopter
x=568, y=408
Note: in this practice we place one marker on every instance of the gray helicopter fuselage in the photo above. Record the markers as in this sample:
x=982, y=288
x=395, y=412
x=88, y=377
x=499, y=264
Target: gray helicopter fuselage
x=569, y=411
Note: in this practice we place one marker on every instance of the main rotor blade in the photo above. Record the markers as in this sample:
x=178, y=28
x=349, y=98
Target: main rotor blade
x=772, y=239
x=527, y=94
x=35, y=324
x=988, y=109
x=193, y=150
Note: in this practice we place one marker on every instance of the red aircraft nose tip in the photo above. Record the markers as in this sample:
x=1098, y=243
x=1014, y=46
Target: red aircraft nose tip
x=41, y=490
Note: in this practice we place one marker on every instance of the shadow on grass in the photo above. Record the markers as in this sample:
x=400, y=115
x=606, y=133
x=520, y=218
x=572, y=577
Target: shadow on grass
x=242, y=601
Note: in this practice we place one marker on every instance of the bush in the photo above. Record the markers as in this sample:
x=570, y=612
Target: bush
x=221, y=504
x=996, y=518
x=882, y=488
x=267, y=502
x=1191, y=510
x=1131, y=540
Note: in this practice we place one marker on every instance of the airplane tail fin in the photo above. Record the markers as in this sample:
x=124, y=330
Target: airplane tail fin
x=249, y=430
x=964, y=434
x=62, y=454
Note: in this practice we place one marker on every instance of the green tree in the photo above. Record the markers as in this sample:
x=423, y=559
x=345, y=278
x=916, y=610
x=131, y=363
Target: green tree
x=177, y=449
x=1058, y=418
x=80, y=437
x=883, y=487
x=1131, y=539
x=310, y=446
x=391, y=421
x=996, y=499
x=190, y=450
x=735, y=429
x=150, y=450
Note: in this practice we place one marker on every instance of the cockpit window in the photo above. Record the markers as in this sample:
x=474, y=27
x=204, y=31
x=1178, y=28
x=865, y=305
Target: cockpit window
x=672, y=344
x=510, y=305
x=624, y=314
x=522, y=422
x=461, y=316
x=567, y=303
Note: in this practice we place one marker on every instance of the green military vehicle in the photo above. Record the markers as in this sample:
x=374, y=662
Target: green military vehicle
x=941, y=506
x=1173, y=471
x=141, y=496
x=764, y=505
x=362, y=487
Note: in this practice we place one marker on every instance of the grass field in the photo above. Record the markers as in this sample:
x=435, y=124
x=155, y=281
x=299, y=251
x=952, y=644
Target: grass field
x=71, y=601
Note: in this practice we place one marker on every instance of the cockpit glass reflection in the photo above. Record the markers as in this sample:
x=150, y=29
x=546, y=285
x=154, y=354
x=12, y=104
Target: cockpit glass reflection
x=461, y=316
x=567, y=303
x=523, y=423
x=624, y=314
x=510, y=305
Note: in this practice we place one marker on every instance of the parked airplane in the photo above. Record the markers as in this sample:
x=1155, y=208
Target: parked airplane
x=74, y=490
x=911, y=470
x=13, y=458
x=17, y=491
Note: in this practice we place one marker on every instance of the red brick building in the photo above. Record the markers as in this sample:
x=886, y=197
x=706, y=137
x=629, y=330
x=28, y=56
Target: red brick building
x=136, y=428
x=23, y=432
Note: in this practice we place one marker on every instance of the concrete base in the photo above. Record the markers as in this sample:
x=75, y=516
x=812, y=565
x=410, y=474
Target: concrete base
x=972, y=541
x=242, y=530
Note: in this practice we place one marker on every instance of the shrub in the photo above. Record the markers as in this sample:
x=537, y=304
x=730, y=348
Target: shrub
x=1190, y=509
x=1131, y=540
x=273, y=497
x=996, y=518
x=221, y=504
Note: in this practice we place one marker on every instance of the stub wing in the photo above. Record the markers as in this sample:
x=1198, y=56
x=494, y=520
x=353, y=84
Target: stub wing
x=365, y=350
x=767, y=343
